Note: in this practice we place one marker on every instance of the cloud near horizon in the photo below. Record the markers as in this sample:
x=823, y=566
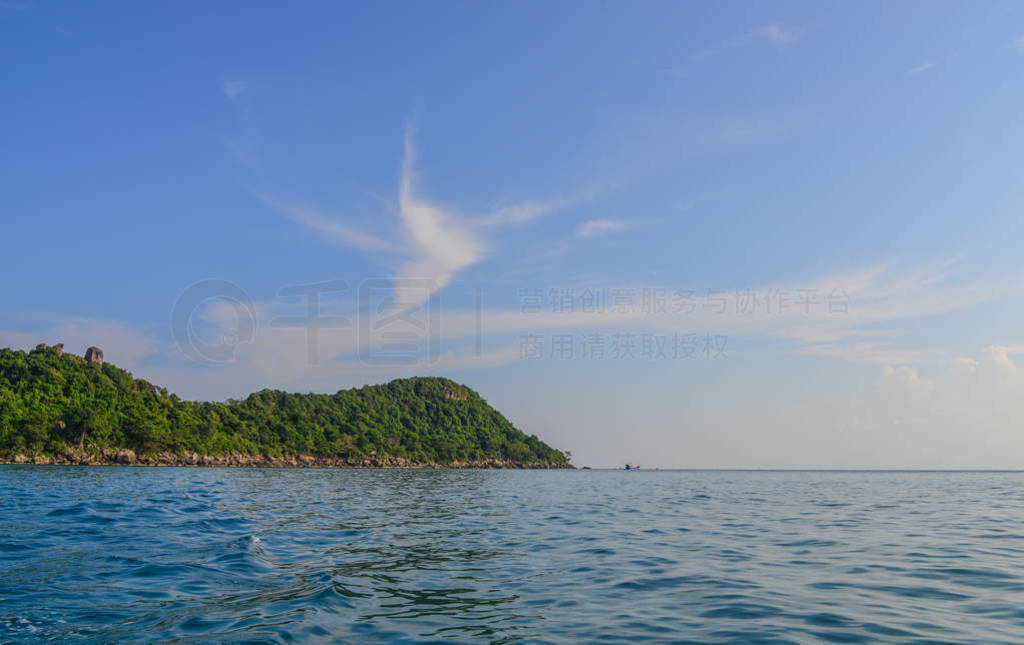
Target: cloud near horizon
x=879, y=299
x=919, y=397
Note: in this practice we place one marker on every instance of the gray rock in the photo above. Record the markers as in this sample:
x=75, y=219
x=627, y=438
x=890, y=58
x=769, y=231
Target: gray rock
x=94, y=355
x=125, y=456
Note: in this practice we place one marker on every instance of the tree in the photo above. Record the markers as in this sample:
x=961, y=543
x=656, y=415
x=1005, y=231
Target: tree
x=89, y=421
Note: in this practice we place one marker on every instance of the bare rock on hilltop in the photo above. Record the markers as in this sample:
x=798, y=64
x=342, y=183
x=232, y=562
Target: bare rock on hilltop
x=94, y=356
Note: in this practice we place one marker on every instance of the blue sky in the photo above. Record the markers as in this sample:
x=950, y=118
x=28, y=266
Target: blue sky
x=500, y=151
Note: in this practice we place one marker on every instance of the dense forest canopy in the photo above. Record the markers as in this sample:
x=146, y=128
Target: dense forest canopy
x=51, y=402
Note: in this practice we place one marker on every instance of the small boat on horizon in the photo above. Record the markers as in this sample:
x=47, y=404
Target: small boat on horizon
x=632, y=467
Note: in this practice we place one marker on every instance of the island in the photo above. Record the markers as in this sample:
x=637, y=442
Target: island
x=60, y=408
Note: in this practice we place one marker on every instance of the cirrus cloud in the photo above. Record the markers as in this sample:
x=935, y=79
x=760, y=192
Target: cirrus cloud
x=594, y=227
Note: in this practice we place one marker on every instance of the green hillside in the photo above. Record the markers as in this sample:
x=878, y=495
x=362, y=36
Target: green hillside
x=53, y=403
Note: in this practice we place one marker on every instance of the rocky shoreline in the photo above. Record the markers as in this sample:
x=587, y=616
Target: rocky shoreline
x=126, y=457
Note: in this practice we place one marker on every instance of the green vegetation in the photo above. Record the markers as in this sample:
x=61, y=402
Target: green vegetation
x=51, y=403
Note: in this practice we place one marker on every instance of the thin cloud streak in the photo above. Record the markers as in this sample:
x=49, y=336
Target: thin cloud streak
x=433, y=242
x=527, y=211
x=878, y=296
x=329, y=227
x=778, y=35
x=278, y=357
x=920, y=68
x=595, y=227
x=443, y=245
x=533, y=209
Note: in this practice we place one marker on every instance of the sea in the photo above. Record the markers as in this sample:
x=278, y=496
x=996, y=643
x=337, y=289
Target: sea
x=124, y=554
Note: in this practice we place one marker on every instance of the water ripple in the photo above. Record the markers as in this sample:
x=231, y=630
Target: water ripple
x=134, y=555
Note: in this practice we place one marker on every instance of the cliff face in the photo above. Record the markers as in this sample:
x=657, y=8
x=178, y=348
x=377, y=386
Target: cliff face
x=56, y=407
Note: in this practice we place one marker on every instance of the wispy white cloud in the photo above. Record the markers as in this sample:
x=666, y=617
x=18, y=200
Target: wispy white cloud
x=878, y=296
x=778, y=35
x=920, y=68
x=852, y=319
x=595, y=227
x=431, y=241
x=441, y=244
x=533, y=209
x=696, y=135
x=865, y=332
x=908, y=377
x=517, y=213
x=527, y=211
x=879, y=353
x=330, y=227
x=937, y=416
x=233, y=88
x=1000, y=354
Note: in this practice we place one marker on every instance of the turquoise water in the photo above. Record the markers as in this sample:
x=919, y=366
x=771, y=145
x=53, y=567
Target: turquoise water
x=141, y=554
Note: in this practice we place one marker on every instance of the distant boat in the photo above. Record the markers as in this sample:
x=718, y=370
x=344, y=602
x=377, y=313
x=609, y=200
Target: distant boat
x=632, y=467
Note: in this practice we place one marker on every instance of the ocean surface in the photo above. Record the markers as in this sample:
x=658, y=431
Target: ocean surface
x=100, y=555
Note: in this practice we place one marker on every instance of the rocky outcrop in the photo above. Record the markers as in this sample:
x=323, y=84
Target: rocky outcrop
x=94, y=356
x=58, y=348
x=126, y=457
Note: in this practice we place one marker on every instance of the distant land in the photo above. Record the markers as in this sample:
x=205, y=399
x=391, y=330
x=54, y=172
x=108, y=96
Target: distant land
x=59, y=408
